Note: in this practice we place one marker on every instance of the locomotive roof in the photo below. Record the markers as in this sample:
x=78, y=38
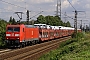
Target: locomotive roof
x=39, y=24
x=30, y=26
x=13, y=25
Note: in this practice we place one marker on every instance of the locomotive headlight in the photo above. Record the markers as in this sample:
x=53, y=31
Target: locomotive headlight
x=7, y=38
x=17, y=38
x=7, y=34
x=17, y=35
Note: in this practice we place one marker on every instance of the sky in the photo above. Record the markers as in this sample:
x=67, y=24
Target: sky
x=9, y=7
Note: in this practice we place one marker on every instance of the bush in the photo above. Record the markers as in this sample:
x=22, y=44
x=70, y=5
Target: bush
x=73, y=49
x=77, y=36
x=2, y=32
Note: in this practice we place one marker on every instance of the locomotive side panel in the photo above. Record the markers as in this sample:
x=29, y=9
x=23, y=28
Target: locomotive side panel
x=22, y=33
x=31, y=34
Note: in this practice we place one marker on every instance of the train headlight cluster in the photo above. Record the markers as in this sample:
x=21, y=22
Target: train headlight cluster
x=8, y=35
x=17, y=38
x=17, y=34
x=7, y=38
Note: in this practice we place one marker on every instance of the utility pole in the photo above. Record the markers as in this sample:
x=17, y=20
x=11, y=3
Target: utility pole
x=27, y=17
x=89, y=26
x=81, y=22
x=84, y=27
x=75, y=22
x=65, y=18
x=58, y=8
x=19, y=15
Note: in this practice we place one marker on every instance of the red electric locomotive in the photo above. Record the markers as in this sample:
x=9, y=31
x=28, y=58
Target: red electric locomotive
x=17, y=35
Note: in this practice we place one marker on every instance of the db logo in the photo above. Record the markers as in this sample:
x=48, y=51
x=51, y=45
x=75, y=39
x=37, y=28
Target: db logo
x=12, y=34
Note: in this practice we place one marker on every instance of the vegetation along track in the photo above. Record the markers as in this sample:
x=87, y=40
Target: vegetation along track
x=32, y=52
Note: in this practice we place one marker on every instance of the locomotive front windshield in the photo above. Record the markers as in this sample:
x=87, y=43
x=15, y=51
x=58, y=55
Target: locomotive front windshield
x=13, y=29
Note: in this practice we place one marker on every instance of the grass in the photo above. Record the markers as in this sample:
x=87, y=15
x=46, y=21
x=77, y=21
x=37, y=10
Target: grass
x=73, y=49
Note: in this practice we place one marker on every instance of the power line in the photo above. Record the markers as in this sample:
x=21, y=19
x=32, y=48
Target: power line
x=5, y=12
x=67, y=15
x=36, y=14
x=12, y=4
x=71, y=4
x=7, y=9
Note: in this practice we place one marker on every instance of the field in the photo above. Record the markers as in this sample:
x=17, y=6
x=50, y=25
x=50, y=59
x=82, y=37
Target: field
x=73, y=49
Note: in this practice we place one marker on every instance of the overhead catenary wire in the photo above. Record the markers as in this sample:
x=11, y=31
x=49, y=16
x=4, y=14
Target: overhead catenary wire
x=71, y=5
x=13, y=4
x=73, y=8
x=25, y=8
x=36, y=14
x=7, y=9
x=67, y=15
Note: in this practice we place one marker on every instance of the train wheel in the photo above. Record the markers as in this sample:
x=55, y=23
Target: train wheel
x=20, y=45
x=23, y=45
x=33, y=42
x=30, y=43
x=36, y=41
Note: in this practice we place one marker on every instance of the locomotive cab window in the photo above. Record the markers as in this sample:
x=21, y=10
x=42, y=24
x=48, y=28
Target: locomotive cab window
x=10, y=29
x=16, y=29
x=13, y=29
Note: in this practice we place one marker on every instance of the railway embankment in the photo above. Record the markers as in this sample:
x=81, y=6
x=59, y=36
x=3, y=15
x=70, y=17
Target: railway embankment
x=32, y=52
x=73, y=49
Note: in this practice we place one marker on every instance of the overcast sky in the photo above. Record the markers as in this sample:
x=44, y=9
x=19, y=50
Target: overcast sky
x=8, y=7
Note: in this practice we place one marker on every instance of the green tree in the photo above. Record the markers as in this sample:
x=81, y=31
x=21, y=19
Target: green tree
x=13, y=21
x=3, y=24
x=41, y=19
x=51, y=20
x=68, y=24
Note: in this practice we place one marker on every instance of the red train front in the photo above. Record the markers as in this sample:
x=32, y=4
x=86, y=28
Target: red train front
x=17, y=35
x=13, y=35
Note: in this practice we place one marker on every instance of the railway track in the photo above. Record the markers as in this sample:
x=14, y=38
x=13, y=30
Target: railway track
x=32, y=52
x=2, y=51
